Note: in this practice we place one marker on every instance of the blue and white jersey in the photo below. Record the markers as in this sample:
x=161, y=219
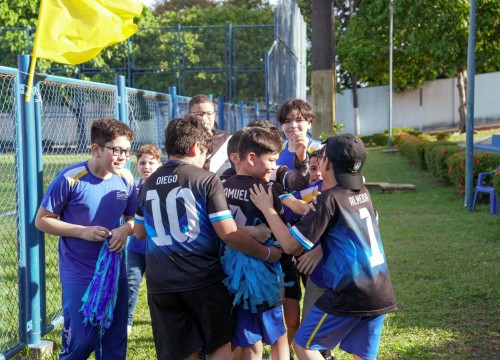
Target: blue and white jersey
x=355, y=269
x=177, y=205
x=79, y=197
x=286, y=156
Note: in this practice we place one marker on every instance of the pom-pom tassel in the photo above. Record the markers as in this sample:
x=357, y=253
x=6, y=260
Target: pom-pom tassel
x=252, y=281
x=100, y=298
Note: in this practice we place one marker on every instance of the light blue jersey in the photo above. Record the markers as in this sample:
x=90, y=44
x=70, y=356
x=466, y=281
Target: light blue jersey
x=286, y=156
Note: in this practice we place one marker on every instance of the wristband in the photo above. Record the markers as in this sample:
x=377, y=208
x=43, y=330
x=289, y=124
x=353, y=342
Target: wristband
x=268, y=253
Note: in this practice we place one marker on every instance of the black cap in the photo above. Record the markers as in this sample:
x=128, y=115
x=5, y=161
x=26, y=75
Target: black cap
x=347, y=154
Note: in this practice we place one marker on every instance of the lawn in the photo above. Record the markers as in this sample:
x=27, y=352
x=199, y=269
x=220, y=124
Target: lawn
x=443, y=261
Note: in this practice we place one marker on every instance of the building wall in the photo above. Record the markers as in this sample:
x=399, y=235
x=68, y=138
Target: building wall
x=439, y=106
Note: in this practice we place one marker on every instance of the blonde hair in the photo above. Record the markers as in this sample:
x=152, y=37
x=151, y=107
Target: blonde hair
x=149, y=149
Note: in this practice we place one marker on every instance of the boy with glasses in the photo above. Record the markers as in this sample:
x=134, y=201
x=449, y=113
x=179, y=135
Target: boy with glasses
x=202, y=107
x=83, y=206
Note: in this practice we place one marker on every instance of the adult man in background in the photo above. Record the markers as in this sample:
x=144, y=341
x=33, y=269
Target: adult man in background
x=202, y=107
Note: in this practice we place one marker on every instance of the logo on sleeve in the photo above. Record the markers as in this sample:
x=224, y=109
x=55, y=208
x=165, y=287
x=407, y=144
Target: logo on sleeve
x=122, y=195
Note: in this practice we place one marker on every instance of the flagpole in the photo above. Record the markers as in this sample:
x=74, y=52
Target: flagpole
x=35, y=47
x=30, y=78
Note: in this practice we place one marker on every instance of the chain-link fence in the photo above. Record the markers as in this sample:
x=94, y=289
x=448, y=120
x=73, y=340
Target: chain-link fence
x=12, y=261
x=227, y=59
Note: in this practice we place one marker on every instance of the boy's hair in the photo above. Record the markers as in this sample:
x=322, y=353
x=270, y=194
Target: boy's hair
x=302, y=107
x=182, y=133
x=104, y=130
x=315, y=153
x=266, y=124
x=259, y=141
x=149, y=149
x=200, y=99
x=234, y=141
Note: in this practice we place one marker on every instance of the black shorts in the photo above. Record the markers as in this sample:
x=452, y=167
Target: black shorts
x=187, y=321
x=290, y=270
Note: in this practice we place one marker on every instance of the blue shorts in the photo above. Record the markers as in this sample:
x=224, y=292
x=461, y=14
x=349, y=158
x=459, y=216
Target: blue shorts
x=250, y=328
x=356, y=335
x=80, y=340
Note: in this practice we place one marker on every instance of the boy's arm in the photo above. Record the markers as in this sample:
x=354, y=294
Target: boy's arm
x=49, y=223
x=264, y=202
x=259, y=232
x=299, y=207
x=228, y=232
x=140, y=231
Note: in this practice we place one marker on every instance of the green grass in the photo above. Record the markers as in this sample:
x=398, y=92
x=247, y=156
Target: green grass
x=444, y=266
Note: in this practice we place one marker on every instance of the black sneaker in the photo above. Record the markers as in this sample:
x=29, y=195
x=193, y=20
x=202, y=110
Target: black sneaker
x=327, y=354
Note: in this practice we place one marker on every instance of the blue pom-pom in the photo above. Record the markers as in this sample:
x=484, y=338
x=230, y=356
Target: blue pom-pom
x=100, y=298
x=252, y=281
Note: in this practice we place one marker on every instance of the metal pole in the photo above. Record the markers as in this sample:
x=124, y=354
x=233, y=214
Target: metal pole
x=420, y=106
x=391, y=13
x=469, y=126
x=28, y=193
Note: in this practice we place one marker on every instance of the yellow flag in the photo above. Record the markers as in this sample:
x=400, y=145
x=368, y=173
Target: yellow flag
x=75, y=31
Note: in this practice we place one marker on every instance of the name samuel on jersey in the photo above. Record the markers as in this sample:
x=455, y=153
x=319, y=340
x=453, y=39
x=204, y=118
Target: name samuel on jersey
x=238, y=194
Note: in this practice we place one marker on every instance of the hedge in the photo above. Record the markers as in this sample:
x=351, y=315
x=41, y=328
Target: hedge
x=447, y=160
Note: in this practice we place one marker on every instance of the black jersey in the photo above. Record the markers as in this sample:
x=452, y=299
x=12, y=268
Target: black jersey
x=177, y=205
x=236, y=189
x=355, y=269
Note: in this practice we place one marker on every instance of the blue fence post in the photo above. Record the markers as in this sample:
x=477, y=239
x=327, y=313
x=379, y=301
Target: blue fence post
x=175, y=102
x=257, y=112
x=220, y=111
x=28, y=196
x=230, y=68
x=266, y=74
x=122, y=99
x=242, y=114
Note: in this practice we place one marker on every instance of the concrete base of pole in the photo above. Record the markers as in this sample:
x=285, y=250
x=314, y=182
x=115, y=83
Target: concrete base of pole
x=39, y=351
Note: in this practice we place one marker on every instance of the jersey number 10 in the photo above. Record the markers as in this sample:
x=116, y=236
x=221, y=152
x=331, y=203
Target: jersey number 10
x=193, y=228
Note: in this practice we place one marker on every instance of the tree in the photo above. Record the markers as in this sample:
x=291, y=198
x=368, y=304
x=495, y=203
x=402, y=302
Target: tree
x=430, y=42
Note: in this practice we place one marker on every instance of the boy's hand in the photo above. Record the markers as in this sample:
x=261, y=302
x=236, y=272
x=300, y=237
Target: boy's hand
x=262, y=200
x=301, y=143
x=309, y=260
x=118, y=239
x=95, y=233
x=259, y=232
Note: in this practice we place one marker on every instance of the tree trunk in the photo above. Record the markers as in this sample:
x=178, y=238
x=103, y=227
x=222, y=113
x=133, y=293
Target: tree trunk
x=462, y=95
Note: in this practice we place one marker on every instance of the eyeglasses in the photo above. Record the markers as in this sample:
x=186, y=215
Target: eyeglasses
x=117, y=151
x=200, y=114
